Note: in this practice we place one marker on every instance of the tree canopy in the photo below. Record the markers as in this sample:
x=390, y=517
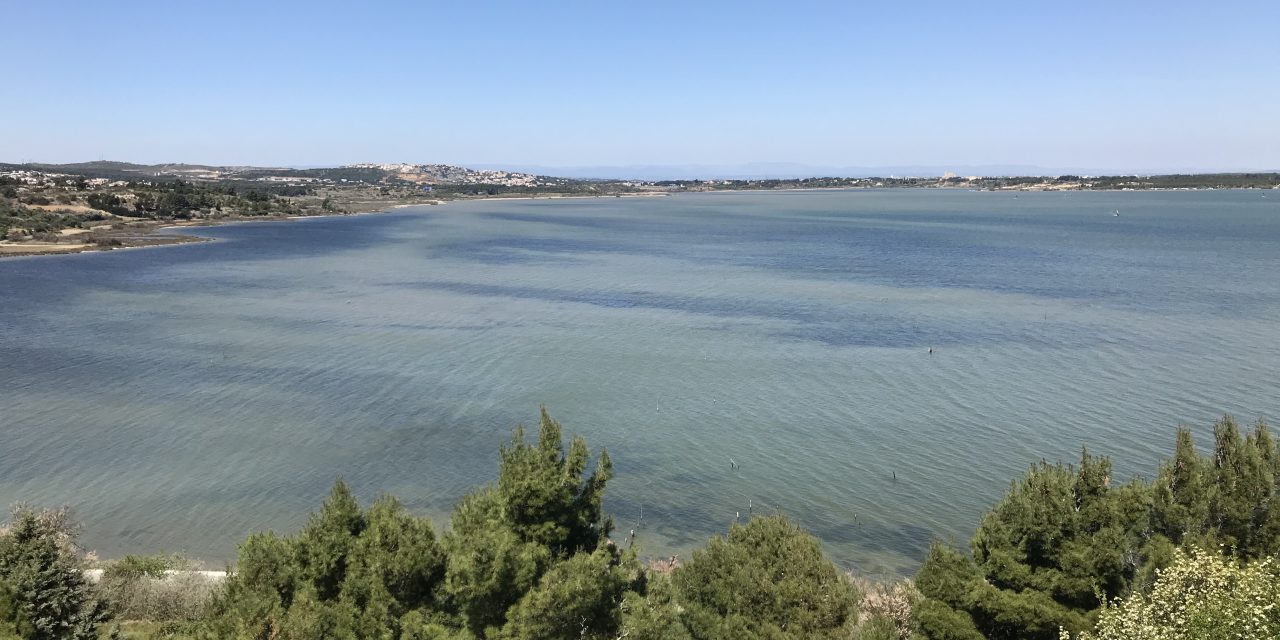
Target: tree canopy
x=1065, y=540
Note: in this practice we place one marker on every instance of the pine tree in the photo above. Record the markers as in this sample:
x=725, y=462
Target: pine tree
x=765, y=579
x=1268, y=539
x=45, y=588
x=1181, y=492
x=948, y=579
x=1244, y=484
x=1043, y=555
x=503, y=538
x=259, y=591
x=396, y=560
x=1062, y=537
x=324, y=546
x=545, y=499
x=1265, y=535
x=489, y=567
x=577, y=598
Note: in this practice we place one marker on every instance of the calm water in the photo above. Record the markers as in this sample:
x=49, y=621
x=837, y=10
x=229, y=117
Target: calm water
x=181, y=397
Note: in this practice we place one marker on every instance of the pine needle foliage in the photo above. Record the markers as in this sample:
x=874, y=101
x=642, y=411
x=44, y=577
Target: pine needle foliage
x=43, y=591
x=1066, y=540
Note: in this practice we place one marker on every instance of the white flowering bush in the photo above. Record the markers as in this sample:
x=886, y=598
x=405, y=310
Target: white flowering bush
x=1201, y=595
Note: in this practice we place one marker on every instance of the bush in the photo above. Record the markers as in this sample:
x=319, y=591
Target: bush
x=886, y=611
x=1201, y=596
x=158, y=588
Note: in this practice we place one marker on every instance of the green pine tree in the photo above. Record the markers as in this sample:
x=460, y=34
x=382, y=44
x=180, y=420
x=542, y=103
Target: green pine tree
x=765, y=579
x=395, y=560
x=577, y=598
x=324, y=545
x=45, y=594
x=545, y=499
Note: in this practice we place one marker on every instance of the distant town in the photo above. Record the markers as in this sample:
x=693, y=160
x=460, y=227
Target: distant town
x=52, y=208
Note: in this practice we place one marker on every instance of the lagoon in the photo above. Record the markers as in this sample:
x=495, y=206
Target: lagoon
x=179, y=398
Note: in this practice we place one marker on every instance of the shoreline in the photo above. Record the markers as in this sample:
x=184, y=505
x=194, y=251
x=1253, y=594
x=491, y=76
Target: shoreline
x=149, y=240
x=151, y=236
x=148, y=234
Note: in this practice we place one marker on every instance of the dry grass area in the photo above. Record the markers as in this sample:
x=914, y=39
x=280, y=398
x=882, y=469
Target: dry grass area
x=73, y=208
x=40, y=248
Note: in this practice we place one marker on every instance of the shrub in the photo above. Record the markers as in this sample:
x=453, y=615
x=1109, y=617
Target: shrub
x=886, y=611
x=158, y=588
x=1201, y=596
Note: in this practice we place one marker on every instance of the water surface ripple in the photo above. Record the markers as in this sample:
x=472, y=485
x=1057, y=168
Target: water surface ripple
x=180, y=398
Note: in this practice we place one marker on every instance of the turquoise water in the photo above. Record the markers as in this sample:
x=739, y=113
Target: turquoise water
x=179, y=398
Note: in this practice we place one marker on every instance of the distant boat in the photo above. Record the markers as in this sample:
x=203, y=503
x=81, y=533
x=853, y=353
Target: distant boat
x=1116, y=213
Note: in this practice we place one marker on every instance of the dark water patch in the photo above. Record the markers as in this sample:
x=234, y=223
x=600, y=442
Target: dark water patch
x=829, y=325
x=624, y=299
x=532, y=250
x=446, y=327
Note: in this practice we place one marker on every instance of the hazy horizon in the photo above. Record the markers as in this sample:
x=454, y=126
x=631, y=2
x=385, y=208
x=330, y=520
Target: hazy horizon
x=583, y=89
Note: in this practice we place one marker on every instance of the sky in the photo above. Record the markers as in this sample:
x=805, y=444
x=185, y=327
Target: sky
x=1114, y=86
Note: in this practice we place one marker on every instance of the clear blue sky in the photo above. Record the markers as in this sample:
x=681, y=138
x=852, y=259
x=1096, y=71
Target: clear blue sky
x=1114, y=85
